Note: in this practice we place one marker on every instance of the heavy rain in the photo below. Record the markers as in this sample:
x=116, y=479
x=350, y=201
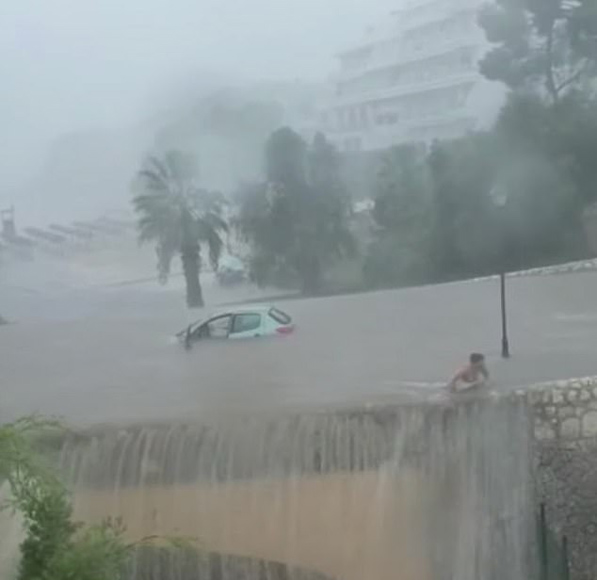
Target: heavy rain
x=298, y=290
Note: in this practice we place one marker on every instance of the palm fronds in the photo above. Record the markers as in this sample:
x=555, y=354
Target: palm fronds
x=178, y=216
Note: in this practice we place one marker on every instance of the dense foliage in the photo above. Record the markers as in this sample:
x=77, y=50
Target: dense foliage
x=55, y=547
x=437, y=210
x=296, y=221
x=547, y=46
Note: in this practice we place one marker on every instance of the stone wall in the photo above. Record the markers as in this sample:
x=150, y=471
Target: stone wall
x=565, y=422
x=418, y=492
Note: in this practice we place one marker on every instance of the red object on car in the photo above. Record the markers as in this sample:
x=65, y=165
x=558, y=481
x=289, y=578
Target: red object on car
x=285, y=329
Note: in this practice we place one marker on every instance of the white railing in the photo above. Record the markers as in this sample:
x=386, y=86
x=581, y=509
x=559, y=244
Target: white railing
x=403, y=89
x=410, y=56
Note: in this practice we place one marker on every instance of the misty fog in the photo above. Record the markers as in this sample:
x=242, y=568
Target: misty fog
x=86, y=85
x=316, y=274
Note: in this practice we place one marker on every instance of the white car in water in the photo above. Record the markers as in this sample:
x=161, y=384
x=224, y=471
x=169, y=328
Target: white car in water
x=239, y=323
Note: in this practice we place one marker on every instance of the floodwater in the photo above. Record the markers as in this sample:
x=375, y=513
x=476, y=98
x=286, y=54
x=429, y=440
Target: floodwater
x=205, y=451
x=414, y=494
x=105, y=352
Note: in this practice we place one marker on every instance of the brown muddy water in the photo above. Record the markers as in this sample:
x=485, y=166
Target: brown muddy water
x=412, y=493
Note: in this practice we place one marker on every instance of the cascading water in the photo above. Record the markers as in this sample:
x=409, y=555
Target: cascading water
x=11, y=536
x=413, y=493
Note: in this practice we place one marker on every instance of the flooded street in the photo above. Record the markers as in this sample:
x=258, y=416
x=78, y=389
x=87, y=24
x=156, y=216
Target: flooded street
x=94, y=353
x=340, y=495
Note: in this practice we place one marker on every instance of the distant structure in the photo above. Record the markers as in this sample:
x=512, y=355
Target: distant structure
x=13, y=243
x=414, y=79
x=9, y=230
x=61, y=240
x=299, y=102
x=590, y=227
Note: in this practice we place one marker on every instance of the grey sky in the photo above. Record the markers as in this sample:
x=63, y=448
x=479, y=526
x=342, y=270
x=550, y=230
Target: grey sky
x=69, y=64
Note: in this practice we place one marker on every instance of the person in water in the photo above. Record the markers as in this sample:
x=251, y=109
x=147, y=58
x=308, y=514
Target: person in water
x=473, y=375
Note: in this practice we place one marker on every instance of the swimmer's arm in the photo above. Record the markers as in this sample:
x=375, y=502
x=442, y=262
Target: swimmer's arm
x=457, y=378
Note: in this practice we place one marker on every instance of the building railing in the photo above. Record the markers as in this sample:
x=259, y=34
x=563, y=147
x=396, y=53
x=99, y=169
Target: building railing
x=410, y=56
x=401, y=89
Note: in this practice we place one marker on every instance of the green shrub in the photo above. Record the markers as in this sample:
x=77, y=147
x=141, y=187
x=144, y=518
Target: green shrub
x=55, y=547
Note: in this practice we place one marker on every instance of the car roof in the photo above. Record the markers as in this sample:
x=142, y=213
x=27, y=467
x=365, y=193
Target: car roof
x=257, y=309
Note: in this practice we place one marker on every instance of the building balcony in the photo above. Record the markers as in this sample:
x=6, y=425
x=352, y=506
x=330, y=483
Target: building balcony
x=411, y=56
x=405, y=124
x=424, y=130
x=440, y=119
x=405, y=89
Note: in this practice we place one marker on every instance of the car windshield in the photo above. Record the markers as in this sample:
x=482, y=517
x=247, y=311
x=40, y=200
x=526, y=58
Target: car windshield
x=279, y=316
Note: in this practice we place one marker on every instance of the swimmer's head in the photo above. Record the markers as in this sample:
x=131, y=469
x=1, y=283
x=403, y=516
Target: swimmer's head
x=477, y=359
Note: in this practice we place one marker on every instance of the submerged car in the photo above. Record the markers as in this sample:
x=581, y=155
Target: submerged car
x=240, y=323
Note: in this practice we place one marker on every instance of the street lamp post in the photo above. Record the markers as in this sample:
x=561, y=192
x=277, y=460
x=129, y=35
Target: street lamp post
x=499, y=197
x=505, y=342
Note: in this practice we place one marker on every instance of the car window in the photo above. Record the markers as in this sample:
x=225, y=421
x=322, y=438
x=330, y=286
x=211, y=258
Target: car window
x=219, y=327
x=198, y=332
x=246, y=322
x=196, y=327
x=279, y=316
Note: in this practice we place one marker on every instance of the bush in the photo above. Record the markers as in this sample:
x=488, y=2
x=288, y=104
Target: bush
x=55, y=547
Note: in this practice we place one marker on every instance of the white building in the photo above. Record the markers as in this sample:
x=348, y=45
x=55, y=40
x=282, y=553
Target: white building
x=414, y=79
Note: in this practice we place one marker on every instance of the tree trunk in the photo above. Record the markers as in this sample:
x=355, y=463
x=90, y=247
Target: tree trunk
x=550, y=82
x=191, y=260
x=191, y=266
x=312, y=276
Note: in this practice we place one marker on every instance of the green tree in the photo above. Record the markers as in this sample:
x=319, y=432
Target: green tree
x=437, y=209
x=543, y=160
x=327, y=236
x=297, y=221
x=565, y=133
x=547, y=46
x=404, y=214
x=527, y=156
x=463, y=174
x=176, y=214
x=55, y=547
x=402, y=190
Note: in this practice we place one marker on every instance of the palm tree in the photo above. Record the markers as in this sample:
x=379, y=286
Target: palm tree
x=180, y=218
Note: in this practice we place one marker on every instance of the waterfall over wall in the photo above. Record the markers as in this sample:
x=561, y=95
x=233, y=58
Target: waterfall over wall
x=412, y=493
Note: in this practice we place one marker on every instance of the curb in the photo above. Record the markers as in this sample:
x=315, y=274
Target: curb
x=567, y=268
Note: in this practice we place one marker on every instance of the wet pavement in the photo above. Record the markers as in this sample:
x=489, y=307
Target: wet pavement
x=105, y=353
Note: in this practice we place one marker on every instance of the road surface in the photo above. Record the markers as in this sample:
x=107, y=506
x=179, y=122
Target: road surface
x=101, y=354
